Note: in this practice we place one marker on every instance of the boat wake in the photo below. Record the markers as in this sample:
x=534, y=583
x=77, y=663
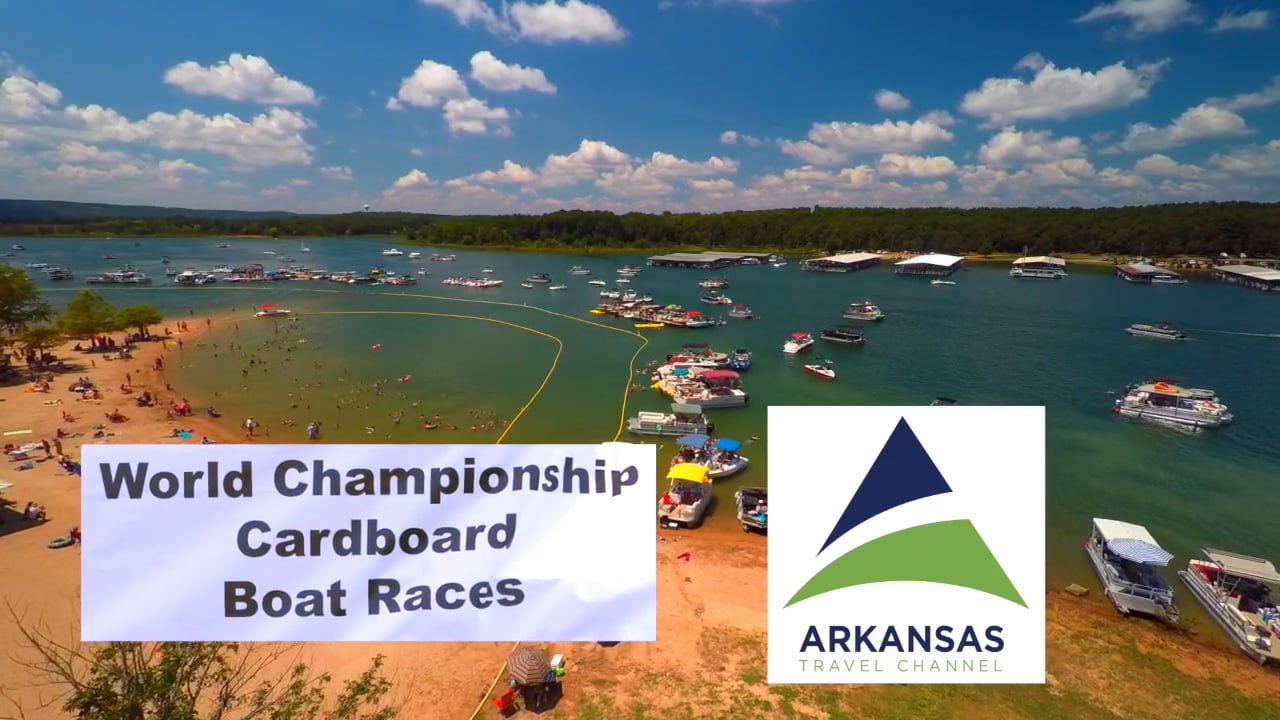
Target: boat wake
x=1244, y=334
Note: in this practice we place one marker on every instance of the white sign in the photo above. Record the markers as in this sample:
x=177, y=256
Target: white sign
x=907, y=545
x=369, y=543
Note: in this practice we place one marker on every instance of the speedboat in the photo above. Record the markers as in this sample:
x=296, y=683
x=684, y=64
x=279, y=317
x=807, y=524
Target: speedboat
x=843, y=334
x=723, y=459
x=443, y=258
x=1125, y=558
x=686, y=501
x=539, y=278
x=797, y=343
x=682, y=420
x=579, y=270
x=821, y=370
x=272, y=312
x=1160, y=401
x=741, y=312
x=715, y=298
x=624, y=281
x=863, y=311
x=1158, y=332
x=486, y=271
x=392, y=252
x=412, y=256
x=109, y=256
x=558, y=287
x=942, y=282
x=1237, y=591
x=943, y=402
x=597, y=283
x=59, y=273
x=170, y=272
x=740, y=360
x=779, y=263
x=17, y=246
x=714, y=284
x=223, y=246
x=526, y=285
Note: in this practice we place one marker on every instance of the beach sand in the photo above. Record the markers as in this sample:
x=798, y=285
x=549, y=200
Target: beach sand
x=712, y=614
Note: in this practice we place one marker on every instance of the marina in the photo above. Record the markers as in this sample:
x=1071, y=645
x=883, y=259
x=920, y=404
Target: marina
x=1145, y=274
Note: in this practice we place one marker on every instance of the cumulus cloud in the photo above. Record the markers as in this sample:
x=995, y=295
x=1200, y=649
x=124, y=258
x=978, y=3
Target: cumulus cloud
x=335, y=172
x=1252, y=20
x=243, y=78
x=891, y=100
x=1013, y=146
x=1055, y=93
x=833, y=142
x=1202, y=122
x=1144, y=17
x=733, y=137
x=493, y=74
x=430, y=85
x=548, y=22
x=437, y=85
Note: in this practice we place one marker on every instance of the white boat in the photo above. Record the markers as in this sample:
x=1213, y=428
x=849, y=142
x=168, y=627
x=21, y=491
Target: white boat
x=579, y=270
x=711, y=398
x=624, y=281
x=59, y=273
x=1126, y=559
x=302, y=247
x=224, y=269
x=558, y=287
x=1164, y=403
x=686, y=501
x=741, y=312
x=272, y=312
x=1041, y=267
x=712, y=297
x=753, y=508
x=486, y=271
x=942, y=282
x=415, y=255
x=1157, y=332
x=597, y=283
x=797, y=343
x=717, y=283
x=682, y=420
x=541, y=277
x=723, y=460
x=392, y=252
x=526, y=285
x=780, y=263
x=1239, y=592
x=865, y=310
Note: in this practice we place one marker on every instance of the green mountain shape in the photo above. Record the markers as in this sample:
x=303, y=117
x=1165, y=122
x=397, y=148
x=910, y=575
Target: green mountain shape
x=948, y=553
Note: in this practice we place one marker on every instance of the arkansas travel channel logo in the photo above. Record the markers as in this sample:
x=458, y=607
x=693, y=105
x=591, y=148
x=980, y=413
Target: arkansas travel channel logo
x=906, y=545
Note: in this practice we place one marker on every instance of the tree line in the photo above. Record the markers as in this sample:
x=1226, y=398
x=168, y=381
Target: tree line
x=1193, y=229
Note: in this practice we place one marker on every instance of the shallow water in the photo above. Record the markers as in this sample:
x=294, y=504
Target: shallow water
x=987, y=340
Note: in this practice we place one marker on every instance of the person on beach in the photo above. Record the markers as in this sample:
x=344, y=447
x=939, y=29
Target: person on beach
x=249, y=426
x=313, y=431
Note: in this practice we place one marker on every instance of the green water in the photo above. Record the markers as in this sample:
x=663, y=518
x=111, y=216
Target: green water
x=989, y=340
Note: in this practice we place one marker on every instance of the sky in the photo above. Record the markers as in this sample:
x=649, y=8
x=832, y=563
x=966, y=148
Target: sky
x=482, y=106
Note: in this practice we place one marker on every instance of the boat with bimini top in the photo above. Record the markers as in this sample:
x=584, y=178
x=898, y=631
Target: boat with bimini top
x=843, y=334
x=741, y=312
x=1241, y=593
x=740, y=360
x=863, y=311
x=1160, y=401
x=686, y=501
x=1126, y=559
x=714, y=298
x=797, y=343
x=682, y=420
x=753, y=508
x=1157, y=332
x=539, y=278
x=723, y=459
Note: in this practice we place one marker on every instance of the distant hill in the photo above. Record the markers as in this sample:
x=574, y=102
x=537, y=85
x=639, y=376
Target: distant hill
x=20, y=210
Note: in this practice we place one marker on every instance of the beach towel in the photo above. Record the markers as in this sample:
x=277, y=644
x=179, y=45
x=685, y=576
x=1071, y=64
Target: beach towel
x=185, y=435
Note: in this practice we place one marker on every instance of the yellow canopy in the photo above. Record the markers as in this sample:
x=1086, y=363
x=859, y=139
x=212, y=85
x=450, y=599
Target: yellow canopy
x=689, y=472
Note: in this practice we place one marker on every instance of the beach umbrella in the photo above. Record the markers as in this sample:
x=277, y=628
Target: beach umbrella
x=268, y=306
x=1140, y=551
x=728, y=445
x=528, y=666
x=694, y=441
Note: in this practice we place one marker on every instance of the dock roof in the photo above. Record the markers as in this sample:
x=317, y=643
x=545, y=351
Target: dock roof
x=932, y=259
x=1145, y=269
x=848, y=258
x=1251, y=271
x=1244, y=565
x=719, y=254
x=1042, y=259
x=1119, y=529
x=687, y=257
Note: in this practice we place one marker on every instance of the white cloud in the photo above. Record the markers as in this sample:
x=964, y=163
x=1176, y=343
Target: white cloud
x=1164, y=166
x=334, y=172
x=1252, y=20
x=1144, y=17
x=1202, y=122
x=498, y=76
x=511, y=173
x=430, y=85
x=590, y=159
x=77, y=153
x=413, y=180
x=1267, y=96
x=472, y=116
x=243, y=78
x=1258, y=160
x=1060, y=93
x=417, y=152
x=1013, y=146
x=165, y=174
x=733, y=137
x=890, y=100
x=915, y=166
x=832, y=143
x=1032, y=61
x=548, y=22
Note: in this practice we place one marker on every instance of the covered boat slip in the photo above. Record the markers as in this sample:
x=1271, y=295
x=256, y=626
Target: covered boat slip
x=846, y=262
x=1241, y=593
x=1126, y=557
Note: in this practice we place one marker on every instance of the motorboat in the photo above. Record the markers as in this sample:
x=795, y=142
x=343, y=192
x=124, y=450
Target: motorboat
x=682, y=420
x=191, y=276
x=1160, y=401
x=753, y=508
x=170, y=272
x=685, y=503
x=778, y=264
x=271, y=311
x=223, y=246
x=399, y=280
x=863, y=311
x=526, y=284
x=629, y=271
x=539, y=278
x=630, y=296
x=718, y=283
x=741, y=312
x=286, y=259
x=415, y=255
x=612, y=294
x=443, y=258
x=797, y=343
x=110, y=256
x=714, y=298
x=597, y=283
x=739, y=361
x=59, y=273
x=723, y=460
x=944, y=402
x=120, y=277
x=164, y=260
x=558, y=287
x=1127, y=560
x=423, y=272
x=37, y=265
x=224, y=269
x=392, y=252
x=1157, y=332
x=697, y=320
x=579, y=270
x=486, y=271
x=18, y=247
x=821, y=370
x=1239, y=591
x=843, y=334
x=942, y=282
x=623, y=280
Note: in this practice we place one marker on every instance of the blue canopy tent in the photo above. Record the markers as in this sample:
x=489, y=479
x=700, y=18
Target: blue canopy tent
x=727, y=445
x=694, y=441
x=1140, y=551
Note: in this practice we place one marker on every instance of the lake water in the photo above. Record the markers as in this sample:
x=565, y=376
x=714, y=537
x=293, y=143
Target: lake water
x=988, y=340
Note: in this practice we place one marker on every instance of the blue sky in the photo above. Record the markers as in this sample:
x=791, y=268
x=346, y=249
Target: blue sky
x=465, y=106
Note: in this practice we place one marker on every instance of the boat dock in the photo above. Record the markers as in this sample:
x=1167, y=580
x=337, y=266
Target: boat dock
x=934, y=264
x=708, y=260
x=672, y=315
x=1253, y=277
x=847, y=262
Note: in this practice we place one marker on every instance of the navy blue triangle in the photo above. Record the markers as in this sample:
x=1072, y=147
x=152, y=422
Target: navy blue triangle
x=903, y=472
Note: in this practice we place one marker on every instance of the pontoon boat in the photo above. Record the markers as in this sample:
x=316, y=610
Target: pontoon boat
x=1125, y=558
x=741, y=312
x=686, y=502
x=1240, y=593
x=740, y=360
x=682, y=420
x=1158, y=332
x=843, y=334
x=1162, y=402
x=753, y=508
x=863, y=311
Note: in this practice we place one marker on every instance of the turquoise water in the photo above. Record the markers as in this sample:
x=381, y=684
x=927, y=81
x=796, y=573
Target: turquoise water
x=987, y=340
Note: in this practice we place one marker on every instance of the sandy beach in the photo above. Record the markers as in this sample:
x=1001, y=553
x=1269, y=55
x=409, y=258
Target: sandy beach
x=712, y=589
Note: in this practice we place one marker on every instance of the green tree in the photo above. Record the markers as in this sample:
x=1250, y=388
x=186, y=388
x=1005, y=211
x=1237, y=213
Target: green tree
x=38, y=338
x=88, y=314
x=20, y=300
x=139, y=317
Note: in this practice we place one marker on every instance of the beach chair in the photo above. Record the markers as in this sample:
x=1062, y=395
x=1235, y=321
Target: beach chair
x=506, y=702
